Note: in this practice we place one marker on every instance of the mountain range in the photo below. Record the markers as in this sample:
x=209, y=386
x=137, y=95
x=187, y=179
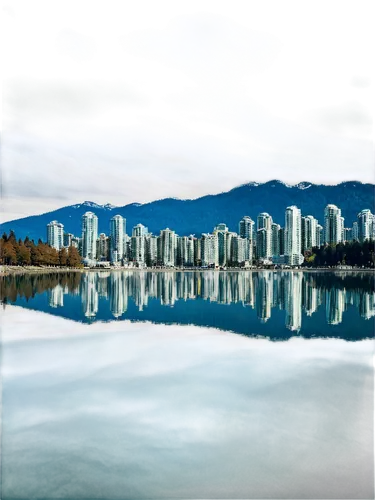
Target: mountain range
x=202, y=214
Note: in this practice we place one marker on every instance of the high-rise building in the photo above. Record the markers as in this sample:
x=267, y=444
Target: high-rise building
x=139, y=230
x=239, y=250
x=319, y=235
x=246, y=227
x=365, y=225
x=138, y=250
x=117, y=224
x=282, y=240
x=102, y=247
x=348, y=234
x=167, y=247
x=209, y=250
x=246, y=230
x=68, y=239
x=309, y=228
x=264, y=221
x=197, y=251
x=55, y=234
x=275, y=239
x=222, y=232
x=292, y=237
x=262, y=243
x=89, y=235
x=333, y=225
x=355, y=231
x=151, y=250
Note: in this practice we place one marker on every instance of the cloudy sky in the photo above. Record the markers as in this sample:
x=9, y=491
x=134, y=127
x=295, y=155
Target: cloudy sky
x=122, y=101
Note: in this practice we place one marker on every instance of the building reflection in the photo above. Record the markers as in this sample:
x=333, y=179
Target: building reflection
x=291, y=291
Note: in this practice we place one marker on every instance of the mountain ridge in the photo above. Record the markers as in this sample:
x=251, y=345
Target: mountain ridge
x=194, y=216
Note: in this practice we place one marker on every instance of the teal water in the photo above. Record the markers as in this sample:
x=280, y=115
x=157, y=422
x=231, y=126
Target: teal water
x=135, y=385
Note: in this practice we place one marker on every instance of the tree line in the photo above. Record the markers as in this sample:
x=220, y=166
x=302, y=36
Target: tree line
x=15, y=252
x=354, y=253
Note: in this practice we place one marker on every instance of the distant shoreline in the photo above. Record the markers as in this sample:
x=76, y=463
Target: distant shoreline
x=16, y=270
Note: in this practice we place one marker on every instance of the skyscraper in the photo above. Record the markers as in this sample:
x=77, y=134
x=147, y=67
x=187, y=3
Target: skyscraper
x=222, y=233
x=246, y=230
x=139, y=230
x=246, y=227
x=55, y=234
x=167, y=247
x=319, y=235
x=102, y=247
x=293, y=236
x=264, y=221
x=365, y=225
x=89, y=235
x=333, y=225
x=117, y=238
x=209, y=250
x=308, y=226
x=355, y=231
x=275, y=239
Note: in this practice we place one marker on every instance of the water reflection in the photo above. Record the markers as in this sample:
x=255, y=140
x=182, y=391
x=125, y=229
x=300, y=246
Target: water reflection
x=254, y=299
x=127, y=410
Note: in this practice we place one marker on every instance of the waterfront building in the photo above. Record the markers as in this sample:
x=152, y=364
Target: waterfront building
x=264, y=221
x=348, y=234
x=333, y=225
x=319, y=235
x=139, y=230
x=167, y=247
x=89, y=235
x=117, y=224
x=209, y=250
x=102, y=247
x=246, y=227
x=355, y=231
x=239, y=250
x=67, y=239
x=151, y=250
x=55, y=234
x=292, y=237
x=365, y=221
x=275, y=240
x=197, y=251
x=309, y=229
x=222, y=233
x=138, y=250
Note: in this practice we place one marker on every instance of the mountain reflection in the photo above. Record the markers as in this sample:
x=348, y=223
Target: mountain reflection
x=318, y=299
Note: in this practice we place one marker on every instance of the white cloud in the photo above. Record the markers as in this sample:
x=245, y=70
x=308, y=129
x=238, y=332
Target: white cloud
x=122, y=165
x=75, y=44
x=212, y=49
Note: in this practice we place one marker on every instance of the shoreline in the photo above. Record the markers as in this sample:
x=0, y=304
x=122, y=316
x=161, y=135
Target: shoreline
x=18, y=270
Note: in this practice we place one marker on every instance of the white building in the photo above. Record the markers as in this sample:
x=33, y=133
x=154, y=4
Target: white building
x=89, y=235
x=365, y=225
x=309, y=232
x=139, y=230
x=333, y=225
x=55, y=234
x=138, y=250
x=275, y=240
x=167, y=247
x=117, y=225
x=209, y=250
x=264, y=221
x=292, y=236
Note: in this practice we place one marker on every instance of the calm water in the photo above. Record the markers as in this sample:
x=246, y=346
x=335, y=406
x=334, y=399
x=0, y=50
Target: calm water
x=135, y=385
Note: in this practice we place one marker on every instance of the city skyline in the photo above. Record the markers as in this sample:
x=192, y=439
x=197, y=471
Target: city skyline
x=265, y=241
